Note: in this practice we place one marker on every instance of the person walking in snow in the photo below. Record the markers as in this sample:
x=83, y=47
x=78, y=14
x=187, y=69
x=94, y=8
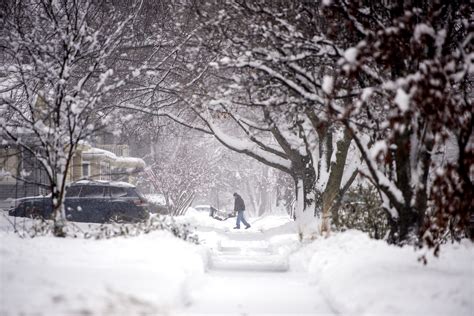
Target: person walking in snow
x=239, y=207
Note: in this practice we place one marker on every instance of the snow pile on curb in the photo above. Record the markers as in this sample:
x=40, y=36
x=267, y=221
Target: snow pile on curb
x=362, y=276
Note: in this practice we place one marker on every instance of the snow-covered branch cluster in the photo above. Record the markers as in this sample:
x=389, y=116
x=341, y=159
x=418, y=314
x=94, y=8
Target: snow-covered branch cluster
x=412, y=65
x=55, y=70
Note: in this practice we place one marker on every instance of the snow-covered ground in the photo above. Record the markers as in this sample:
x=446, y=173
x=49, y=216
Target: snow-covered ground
x=119, y=276
x=362, y=276
x=263, y=270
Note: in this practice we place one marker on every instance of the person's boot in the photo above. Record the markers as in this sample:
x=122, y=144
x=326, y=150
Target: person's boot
x=236, y=227
x=247, y=227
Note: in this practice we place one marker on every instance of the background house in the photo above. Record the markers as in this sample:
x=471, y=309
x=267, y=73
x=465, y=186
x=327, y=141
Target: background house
x=101, y=164
x=22, y=175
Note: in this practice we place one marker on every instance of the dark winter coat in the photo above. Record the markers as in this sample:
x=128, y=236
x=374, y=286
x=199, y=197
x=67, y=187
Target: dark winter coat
x=239, y=204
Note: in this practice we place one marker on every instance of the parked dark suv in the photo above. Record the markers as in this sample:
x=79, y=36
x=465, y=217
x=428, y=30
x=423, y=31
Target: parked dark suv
x=90, y=201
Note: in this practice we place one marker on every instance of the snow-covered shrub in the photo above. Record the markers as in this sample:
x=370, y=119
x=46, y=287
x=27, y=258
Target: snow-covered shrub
x=157, y=204
x=179, y=230
x=362, y=209
x=30, y=228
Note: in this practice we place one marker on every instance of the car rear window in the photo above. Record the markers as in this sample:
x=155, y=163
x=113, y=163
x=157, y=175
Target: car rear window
x=123, y=192
x=92, y=191
x=73, y=191
x=132, y=192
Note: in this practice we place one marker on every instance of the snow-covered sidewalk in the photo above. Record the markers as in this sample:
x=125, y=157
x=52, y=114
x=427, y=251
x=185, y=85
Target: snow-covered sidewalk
x=247, y=275
x=255, y=293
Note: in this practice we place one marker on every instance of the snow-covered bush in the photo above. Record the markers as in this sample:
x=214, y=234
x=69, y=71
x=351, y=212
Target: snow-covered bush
x=31, y=228
x=179, y=230
x=157, y=204
x=361, y=209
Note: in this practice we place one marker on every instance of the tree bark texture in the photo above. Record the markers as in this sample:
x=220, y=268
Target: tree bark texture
x=333, y=185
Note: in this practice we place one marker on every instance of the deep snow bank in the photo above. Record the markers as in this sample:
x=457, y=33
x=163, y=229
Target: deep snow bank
x=120, y=276
x=362, y=276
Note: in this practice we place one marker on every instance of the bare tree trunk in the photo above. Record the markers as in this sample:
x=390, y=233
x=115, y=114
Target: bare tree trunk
x=333, y=185
x=252, y=197
x=264, y=193
x=304, y=188
x=421, y=194
x=58, y=213
x=338, y=200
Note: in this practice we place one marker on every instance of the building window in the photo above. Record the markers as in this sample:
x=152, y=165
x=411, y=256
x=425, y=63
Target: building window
x=104, y=171
x=86, y=169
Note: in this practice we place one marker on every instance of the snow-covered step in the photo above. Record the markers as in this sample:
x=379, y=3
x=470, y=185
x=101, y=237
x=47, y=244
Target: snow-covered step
x=247, y=256
x=245, y=251
x=270, y=263
x=259, y=246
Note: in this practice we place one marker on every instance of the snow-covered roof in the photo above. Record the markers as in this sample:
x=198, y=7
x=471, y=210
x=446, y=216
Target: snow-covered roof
x=97, y=152
x=129, y=162
x=122, y=184
x=114, y=183
x=118, y=162
x=85, y=181
x=83, y=145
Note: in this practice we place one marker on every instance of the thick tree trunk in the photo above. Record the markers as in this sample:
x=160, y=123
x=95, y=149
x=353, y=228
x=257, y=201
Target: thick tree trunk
x=407, y=218
x=333, y=185
x=412, y=213
x=421, y=194
x=334, y=210
x=305, y=177
x=305, y=211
